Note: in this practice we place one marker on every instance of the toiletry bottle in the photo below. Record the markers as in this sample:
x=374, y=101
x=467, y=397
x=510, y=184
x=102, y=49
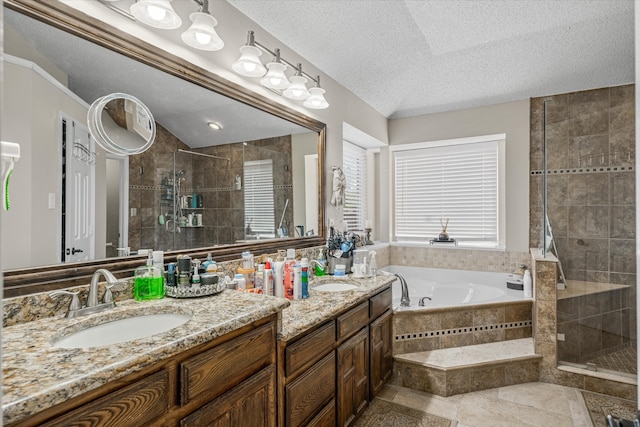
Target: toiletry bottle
x=258, y=282
x=195, y=279
x=212, y=267
x=304, y=263
x=149, y=282
x=184, y=270
x=240, y=282
x=321, y=266
x=194, y=201
x=267, y=281
x=289, y=263
x=158, y=259
x=527, y=284
x=297, y=281
x=171, y=274
x=208, y=261
x=278, y=276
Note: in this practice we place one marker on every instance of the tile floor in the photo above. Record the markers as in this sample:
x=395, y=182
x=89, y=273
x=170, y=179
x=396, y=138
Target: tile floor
x=623, y=360
x=530, y=404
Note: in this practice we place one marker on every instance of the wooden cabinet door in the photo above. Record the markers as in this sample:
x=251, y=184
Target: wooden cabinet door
x=381, y=352
x=251, y=404
x=353, y=378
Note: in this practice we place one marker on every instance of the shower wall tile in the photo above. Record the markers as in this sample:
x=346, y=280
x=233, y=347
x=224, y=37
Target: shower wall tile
x=623, y=222
x=623, y=256
x=588, y=222
x=623, y=188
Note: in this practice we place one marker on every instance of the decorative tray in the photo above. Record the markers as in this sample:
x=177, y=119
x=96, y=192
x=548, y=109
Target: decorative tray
x=432, y=241
x=195, y=292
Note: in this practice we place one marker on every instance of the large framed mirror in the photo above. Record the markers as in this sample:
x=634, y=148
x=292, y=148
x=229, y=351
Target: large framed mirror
x=76, y=208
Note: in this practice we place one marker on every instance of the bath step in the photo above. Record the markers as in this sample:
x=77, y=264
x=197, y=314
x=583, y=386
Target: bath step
x=451, y=371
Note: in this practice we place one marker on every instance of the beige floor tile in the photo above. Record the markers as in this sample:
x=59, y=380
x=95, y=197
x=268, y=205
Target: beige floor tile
x=548, y=397
x=480, y=411
x=426, y=402
x=578, y=409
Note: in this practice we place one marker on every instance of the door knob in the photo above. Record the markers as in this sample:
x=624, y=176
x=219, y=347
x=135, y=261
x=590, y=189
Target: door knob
x=76, y=251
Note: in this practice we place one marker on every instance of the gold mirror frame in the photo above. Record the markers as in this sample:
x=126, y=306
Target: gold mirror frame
x=46, y=278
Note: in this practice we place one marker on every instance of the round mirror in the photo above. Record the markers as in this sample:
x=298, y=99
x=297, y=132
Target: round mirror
x=121, y=124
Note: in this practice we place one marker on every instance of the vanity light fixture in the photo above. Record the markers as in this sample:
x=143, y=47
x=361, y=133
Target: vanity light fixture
x=215, y=126
x=274, y=77
x=316, y=99
x=201, y=34
x=249, y=63
x=156, y=14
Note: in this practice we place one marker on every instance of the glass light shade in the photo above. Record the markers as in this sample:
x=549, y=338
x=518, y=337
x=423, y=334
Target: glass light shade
x=275, y=77
x=156, y=13
x=297, y=89
x=316, y=99
x=249, y=62
x=202, y=33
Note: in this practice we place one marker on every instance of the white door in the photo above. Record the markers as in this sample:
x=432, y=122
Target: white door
x=78, y=190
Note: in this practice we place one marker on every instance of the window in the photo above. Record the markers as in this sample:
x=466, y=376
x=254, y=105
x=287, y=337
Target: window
x=354, y=161
x=450, y=180
x=258, y=197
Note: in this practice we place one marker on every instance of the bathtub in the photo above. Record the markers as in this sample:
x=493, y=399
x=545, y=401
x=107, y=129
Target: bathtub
x=451, y=288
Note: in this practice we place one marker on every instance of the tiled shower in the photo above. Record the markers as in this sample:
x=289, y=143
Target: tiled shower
x=152, y=191
x=590, y=148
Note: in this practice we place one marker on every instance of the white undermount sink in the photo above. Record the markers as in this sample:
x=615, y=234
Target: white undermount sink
x=122, y=330
x=334, y=287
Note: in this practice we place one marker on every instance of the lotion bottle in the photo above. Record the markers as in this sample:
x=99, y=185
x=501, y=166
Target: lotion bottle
x=267, y=281
x=289, y=263
x=278, y=274
x=527, y=284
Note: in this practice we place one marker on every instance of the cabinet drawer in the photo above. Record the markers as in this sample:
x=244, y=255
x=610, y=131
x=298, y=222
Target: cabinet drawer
x=220, y=368
x=353, y=320
x=310, y=391
x=379, y=303
x=135, y=405
x=310, y=348
x=326, y=417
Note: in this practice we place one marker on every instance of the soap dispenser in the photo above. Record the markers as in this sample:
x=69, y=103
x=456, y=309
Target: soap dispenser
x=149, y=282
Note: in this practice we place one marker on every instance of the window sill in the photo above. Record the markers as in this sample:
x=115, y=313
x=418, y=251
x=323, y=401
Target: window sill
x=448, y=246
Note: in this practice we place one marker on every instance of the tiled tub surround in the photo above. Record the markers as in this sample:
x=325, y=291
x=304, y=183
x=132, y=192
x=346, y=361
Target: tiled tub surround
x=545, y=319
x=37, y=376
x=438, y=328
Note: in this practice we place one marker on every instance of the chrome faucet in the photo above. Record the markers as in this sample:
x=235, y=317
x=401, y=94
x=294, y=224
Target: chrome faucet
x=404, y=299
x=93, y=305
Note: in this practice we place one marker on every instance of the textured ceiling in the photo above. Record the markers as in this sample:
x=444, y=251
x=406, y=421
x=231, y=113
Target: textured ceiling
x=407, y=58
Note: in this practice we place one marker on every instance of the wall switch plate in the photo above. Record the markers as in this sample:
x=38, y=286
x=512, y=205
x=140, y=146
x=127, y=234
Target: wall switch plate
x=560, y=337
x=52, y=200
x=134, y=211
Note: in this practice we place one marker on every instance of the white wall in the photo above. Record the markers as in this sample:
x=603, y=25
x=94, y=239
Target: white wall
x=511, y=118
x=30, y=117
x=301, y=145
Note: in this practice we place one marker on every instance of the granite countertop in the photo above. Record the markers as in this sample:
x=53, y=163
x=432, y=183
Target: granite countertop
x=37, y=375
x=304, y=314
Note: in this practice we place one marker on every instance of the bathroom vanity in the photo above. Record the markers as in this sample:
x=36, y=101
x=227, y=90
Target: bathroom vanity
x=240, y=358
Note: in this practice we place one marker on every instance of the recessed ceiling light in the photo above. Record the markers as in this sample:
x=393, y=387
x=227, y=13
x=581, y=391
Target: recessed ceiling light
x=215, y=126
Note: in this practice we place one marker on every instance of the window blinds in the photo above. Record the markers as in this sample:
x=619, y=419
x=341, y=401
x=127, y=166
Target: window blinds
x=458, y=182
x=258, y=197
x=354, y=166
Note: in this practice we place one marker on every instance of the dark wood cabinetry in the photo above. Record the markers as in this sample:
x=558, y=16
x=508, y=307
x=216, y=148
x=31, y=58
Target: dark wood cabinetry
x=326, y=374
x=230, y=381
x=352, y=388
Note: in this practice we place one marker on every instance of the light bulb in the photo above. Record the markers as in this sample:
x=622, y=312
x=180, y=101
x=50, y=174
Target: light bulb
x=275, y=77
x=249, y=62
x=156, y=13
x=202, y=33
x=203, y=38
x=297, y=89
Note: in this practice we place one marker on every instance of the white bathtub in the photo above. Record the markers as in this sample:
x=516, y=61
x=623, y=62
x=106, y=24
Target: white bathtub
x=451, y=288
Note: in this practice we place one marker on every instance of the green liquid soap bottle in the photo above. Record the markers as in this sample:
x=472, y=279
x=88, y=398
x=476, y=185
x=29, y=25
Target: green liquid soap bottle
x=149, y=282
x=321, y=264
